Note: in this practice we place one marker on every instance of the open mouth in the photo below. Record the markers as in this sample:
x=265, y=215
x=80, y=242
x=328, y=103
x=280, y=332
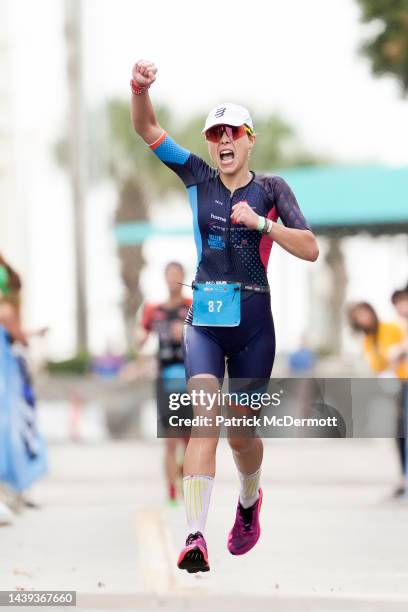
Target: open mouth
x=227, y=156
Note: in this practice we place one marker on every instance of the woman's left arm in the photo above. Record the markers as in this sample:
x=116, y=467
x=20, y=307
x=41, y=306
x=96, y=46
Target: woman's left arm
x=295, y=235
x=299, y=242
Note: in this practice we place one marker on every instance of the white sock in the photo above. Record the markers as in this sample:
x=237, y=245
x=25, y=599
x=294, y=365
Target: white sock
x=249, y=492
x=197, y=494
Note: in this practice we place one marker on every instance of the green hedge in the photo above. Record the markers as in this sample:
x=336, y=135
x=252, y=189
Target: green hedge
x=79, y=364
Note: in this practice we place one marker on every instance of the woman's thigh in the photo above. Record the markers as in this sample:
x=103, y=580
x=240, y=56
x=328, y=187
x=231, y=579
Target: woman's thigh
x=202, y=353
x=255, y=359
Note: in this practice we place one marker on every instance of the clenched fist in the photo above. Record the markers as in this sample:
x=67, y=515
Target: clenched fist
x=243, y=214
x=144, y=73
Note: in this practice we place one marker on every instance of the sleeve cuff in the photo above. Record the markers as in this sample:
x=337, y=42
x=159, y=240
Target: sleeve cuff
x=158, y=142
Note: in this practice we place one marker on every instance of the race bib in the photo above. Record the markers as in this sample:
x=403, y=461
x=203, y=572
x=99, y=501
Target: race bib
x=217, y=304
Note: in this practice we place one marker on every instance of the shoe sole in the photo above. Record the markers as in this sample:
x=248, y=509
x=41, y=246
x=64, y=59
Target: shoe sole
x=193, y=562
x=243, y=552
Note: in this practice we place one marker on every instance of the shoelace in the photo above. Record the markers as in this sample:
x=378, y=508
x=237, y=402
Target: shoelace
x=193, y=537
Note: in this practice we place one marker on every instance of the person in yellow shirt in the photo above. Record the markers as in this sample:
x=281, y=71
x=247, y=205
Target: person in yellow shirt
x=380, y=342
x=380, y=338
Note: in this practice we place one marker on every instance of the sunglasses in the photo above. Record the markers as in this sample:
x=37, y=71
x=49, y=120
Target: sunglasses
x=214, y=134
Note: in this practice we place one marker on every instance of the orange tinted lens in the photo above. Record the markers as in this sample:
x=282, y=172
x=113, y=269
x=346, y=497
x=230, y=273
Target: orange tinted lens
x=215, y=133
x=238, y=131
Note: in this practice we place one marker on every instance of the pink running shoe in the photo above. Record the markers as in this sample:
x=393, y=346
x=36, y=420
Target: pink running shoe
x=194, y=557
x=246, y=530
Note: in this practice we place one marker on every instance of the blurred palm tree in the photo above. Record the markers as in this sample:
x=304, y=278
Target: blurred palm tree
x=132, y=204
x=387, y=49
x=76, y=162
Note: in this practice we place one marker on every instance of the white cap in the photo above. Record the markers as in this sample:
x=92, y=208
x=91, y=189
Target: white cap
x=228, y=114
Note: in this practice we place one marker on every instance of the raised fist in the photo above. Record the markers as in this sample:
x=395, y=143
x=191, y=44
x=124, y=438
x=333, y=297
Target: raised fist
x=144, y=73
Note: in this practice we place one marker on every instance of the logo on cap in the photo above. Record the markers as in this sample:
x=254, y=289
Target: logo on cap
x=220, y=111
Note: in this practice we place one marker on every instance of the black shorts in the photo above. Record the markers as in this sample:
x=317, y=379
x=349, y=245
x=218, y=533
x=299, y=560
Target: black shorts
x=248, y=349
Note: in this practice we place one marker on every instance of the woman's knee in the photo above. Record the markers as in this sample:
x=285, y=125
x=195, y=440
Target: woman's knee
x=242, y=445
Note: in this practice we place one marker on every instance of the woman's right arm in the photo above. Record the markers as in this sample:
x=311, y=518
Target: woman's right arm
x=191, y=169
x=144, y=118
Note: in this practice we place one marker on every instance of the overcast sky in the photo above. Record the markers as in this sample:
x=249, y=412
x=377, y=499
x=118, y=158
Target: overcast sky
x=292, y=56
x=299, y=58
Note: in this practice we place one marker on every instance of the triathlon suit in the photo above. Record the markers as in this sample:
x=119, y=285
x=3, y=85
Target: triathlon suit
x=171, y=373
x=228, y=252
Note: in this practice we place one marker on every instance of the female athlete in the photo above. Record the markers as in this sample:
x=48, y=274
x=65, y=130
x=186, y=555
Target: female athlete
x=235, y=213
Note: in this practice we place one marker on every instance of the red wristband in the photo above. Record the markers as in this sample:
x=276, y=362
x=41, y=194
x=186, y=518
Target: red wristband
x=136, y=89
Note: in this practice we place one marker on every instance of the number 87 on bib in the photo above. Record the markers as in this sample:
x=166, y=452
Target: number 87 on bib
x=217, y=304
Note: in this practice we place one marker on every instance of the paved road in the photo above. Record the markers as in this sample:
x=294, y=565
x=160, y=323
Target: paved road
x=332, y=539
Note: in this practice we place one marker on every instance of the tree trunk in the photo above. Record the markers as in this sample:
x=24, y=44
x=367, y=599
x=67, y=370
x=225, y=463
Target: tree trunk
x=132, y=207
x=76, y=154
x=336, y=301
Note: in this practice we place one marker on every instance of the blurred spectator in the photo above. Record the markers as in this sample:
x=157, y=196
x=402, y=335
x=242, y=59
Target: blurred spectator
x=10, y=287
x=380, y=340
x=398, y=354
x=10, y=321
x=167, y=321
x=10, y=305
